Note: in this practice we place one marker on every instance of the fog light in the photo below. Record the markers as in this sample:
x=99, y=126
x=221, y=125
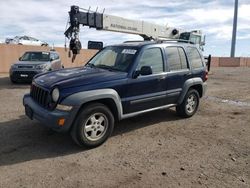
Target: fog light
x=61, y=122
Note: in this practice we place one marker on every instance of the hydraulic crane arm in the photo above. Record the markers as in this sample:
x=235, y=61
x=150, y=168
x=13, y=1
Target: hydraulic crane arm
x=116, y=24
x=107, y=22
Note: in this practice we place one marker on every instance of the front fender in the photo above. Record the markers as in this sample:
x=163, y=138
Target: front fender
x=80, y=98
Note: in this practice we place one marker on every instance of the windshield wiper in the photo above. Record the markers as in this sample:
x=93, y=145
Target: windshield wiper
x=102, y=66
x=90, y=65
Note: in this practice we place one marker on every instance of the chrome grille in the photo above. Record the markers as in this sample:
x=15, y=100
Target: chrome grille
x=25, y=66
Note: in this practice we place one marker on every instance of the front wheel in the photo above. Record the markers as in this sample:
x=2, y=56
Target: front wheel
x=189, y=105
x=93, y=126
x=13, y=81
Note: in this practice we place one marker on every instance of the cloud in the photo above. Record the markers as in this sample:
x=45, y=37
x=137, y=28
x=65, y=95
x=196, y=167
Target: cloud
x=46, y=19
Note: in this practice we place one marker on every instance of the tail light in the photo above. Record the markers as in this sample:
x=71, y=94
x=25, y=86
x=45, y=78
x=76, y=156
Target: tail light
x=206, y=75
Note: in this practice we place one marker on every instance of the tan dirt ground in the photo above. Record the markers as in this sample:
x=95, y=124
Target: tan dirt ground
x=158, y=149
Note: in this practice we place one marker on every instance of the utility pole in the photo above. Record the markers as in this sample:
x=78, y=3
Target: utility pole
x=234, y=28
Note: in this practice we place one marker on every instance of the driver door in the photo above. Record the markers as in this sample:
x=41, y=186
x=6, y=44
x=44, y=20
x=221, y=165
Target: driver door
x=149, y=91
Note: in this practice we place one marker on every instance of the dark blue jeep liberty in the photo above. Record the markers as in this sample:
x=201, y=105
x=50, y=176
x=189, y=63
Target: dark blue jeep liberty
x=119, y=82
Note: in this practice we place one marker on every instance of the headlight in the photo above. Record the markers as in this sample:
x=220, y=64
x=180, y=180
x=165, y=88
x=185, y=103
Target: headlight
x=55, y=94
x=14, y=66
x=42, y=66
x=63, y=107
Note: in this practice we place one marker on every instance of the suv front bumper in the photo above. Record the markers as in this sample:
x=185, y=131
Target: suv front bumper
x=49, y=118
x=204, y=89
x=23, y=75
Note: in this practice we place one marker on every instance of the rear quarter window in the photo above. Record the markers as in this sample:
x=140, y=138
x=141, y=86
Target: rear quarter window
x=194, y=57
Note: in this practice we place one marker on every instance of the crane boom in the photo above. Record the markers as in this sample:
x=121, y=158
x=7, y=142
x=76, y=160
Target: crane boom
x=107, y=22
x=142, y=28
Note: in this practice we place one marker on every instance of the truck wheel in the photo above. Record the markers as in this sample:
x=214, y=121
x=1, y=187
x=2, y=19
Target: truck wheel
x=13, y=81
x=189, y=105
x=93, y=125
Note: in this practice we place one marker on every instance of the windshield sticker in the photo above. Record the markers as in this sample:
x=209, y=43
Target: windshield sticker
x=46, y=53
x=129, y=51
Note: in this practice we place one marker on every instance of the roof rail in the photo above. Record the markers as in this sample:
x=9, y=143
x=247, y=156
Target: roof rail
x=161, y=41
x=174, y=40
x=135, y=41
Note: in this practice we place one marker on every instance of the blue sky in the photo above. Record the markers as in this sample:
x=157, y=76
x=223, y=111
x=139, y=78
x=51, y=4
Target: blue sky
x=46, y=20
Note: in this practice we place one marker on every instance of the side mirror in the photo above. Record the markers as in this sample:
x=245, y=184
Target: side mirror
x=208, y=62
x=203, y=42
x=52, y=59
x=146, y=70
x=19, y=58
x=96, y=45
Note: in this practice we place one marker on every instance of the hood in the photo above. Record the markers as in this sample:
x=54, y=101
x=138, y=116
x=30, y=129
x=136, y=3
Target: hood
x=73, y=77
x=30, y=62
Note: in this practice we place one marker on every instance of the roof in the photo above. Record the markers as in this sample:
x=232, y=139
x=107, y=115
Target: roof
x=139, y=44
x=50, y=51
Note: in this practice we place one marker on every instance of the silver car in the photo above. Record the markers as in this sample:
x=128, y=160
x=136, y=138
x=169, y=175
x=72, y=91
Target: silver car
x=32, y=63
x=25, y=40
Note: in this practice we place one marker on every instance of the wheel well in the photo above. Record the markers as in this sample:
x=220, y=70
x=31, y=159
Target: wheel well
x=198, y=88
x=107, y=102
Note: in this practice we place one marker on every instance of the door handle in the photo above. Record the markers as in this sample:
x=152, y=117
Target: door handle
x=188, y=74
x=162, y=78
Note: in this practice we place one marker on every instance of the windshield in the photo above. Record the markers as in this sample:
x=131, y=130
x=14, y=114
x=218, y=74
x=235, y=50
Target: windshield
x=35, y=56
x=195, y=39
x=114, y=58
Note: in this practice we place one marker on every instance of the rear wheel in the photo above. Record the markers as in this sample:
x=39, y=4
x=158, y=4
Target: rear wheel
x=189, y=105
x=93, y=126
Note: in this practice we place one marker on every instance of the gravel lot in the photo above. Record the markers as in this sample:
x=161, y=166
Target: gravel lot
x=211, y=149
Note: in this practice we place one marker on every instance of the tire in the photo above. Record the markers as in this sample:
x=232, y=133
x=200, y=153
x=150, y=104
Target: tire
x=93, y=126
x=189, y=105
x=13, y=81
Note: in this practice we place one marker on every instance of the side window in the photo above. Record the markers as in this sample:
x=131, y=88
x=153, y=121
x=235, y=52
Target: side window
x=52, y=56
x=57, y=56
x=173, y=58
x=194, y=57
x=176, y=58
x=152, y=57
x=183, y=58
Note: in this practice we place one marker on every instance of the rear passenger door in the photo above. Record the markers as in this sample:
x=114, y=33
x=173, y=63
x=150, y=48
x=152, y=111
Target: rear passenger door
x=149, y=91
x=178, y=72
